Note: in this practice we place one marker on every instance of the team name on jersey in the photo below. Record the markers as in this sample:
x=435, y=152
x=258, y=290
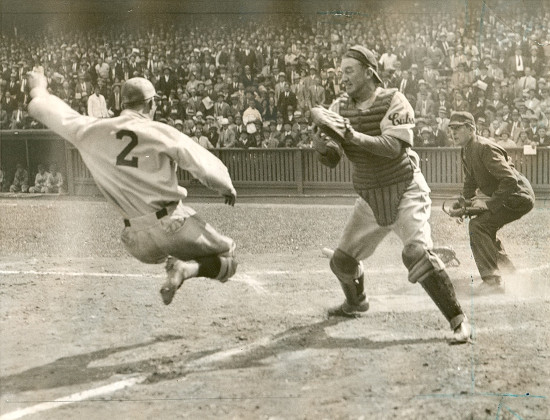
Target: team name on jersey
x=398, y=119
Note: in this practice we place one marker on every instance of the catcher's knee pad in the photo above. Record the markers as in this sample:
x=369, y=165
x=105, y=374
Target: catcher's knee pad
x=420, y=262
x=350, y=275
x=345, y=267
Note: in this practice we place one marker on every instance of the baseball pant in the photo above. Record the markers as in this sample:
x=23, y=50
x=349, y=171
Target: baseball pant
x=180, y=233
x=488, y=251
x=362, y=233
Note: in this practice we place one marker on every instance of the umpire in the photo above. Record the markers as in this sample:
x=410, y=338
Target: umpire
x=509, y=196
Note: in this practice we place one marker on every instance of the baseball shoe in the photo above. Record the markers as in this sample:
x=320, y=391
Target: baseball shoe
x=493, y=287
x=349, y=311
x=174, y=280
x=463, y=333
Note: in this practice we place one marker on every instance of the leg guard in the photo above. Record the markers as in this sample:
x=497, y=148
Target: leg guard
x=424, y=267
x=350, y=275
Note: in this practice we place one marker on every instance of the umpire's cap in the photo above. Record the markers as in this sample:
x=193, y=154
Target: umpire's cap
x=364, y=56
x=462, y=118
x=136, y=90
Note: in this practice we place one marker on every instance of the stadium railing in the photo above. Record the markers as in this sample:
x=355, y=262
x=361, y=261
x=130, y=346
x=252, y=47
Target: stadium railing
x=287, y=171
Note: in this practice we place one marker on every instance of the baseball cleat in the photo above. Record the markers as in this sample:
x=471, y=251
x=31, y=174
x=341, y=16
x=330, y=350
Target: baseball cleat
x=349, y=311
x=490, y=288
x=174, y=280
x=463, y=333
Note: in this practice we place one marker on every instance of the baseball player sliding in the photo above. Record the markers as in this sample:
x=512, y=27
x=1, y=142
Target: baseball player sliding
x=133, y=161
x=373, y=127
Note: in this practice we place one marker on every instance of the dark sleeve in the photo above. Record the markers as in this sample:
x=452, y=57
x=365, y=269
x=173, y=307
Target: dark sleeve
x=496, y=163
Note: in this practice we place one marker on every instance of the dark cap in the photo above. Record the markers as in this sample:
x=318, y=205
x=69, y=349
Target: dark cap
x=137, y=89
x=461, y=118
x=364, y=56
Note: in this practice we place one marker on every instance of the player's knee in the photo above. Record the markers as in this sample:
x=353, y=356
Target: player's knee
x=344, y=266
x=420, y=262
x=412, y=253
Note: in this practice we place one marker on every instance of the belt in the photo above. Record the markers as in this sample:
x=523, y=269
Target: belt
x=159, y=214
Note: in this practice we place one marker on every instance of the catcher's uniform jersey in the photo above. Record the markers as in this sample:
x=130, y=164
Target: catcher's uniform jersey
x=399, y=119
x=132, y=158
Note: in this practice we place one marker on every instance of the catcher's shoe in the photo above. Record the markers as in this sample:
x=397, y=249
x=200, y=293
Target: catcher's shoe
x=490, y=287
x=463, y=333
x=349, y=311
x=175, y=277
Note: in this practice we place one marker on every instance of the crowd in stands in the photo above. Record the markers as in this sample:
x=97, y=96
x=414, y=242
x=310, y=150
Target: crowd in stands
x=250, y=81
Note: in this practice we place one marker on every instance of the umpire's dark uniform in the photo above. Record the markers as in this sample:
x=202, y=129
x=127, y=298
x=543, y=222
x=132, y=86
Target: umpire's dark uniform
x=487, y=167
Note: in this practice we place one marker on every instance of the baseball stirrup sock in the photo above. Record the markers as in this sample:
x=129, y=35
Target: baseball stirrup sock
x=209, y=266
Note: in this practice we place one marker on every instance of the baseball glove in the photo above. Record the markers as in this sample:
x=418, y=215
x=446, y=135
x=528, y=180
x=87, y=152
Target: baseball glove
x=330, y=123
x=447, y=255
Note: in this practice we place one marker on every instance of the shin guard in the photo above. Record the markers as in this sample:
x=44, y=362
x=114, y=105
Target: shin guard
x=440, y=289
x=428, y=270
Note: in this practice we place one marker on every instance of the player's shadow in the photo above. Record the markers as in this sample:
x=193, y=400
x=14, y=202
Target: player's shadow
x=73, y=370
x=313, y=336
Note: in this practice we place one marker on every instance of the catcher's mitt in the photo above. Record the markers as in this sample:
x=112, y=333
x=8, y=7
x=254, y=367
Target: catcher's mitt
x=330, y=123
x=447, y=255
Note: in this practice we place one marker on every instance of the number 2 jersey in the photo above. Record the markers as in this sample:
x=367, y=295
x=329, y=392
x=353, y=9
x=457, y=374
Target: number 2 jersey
x=132, y=158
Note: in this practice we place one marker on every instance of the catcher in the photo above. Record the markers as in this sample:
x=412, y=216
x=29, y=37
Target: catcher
x=373, y=127
x=508, y=193
x=133, y=161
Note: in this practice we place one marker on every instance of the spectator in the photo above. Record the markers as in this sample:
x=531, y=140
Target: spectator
x=20, y=118
x=426, y=138
x=2, y=179
x=244, y=141
x=40, y=180
x=54, y=181
x=540, y=138
x=227, y=135
x=20, y=180
x=505, y=141
x=115, y=103
x=4, y=120
x=523, y=139
x=424, y=105
x=305, y=141
x=440, y=137
x=527, y=82
x=288, y=99
x=97, y=107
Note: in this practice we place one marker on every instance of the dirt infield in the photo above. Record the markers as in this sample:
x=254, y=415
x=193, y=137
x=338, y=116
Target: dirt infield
x=84, y=333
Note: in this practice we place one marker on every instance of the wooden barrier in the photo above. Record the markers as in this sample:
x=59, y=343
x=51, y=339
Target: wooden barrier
x=266, y=171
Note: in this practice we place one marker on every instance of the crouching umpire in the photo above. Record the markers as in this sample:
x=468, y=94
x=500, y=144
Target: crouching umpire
x=493, y=184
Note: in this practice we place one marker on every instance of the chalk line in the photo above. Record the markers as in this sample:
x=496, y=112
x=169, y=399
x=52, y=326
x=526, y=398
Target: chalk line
x=247, y=274
x=73, y=398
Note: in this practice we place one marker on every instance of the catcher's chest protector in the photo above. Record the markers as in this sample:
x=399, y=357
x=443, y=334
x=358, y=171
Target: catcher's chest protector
x=379, y=180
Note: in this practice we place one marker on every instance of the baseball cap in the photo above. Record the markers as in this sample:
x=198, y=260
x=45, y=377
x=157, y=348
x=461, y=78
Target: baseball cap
x=137, y=89
x=364, y=56
x=462, y=118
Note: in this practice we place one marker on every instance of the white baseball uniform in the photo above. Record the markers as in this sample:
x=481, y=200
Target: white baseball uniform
x=133, y=161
